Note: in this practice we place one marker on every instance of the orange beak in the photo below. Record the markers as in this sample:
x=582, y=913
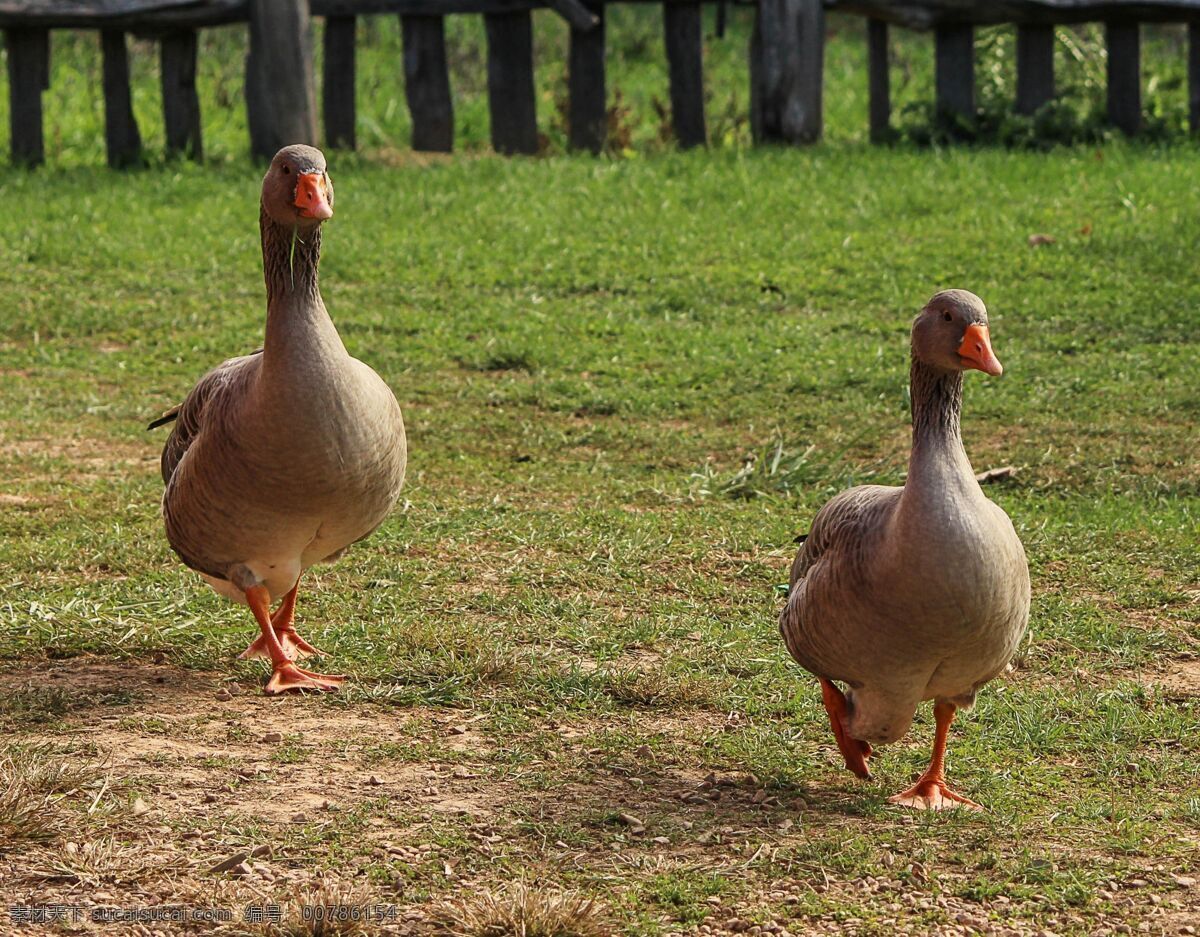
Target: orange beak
x=311, y=196
x=976, y=351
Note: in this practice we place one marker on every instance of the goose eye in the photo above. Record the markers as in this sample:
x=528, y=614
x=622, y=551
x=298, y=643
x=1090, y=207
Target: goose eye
x=286, y=170
x=947, y=316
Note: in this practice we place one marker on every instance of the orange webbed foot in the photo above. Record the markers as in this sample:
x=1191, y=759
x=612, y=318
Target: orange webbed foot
x=855, y=752
x=933, y=794
x=294, y=645
x=287, y=676
x=258, y=648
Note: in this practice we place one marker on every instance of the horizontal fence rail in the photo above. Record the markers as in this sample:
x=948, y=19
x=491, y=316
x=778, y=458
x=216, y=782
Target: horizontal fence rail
x=785, y=65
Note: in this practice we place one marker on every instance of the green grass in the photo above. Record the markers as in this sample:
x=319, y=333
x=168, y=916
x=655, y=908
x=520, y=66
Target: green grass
x=587, y=353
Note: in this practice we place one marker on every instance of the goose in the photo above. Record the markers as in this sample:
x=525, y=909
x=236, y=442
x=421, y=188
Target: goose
x=919, y=592
x=282, y=458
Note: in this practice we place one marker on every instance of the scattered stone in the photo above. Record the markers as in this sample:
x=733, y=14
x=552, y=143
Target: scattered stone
x=1183, y=881
x=373, y=781
x=259, y=852
x=273, y=737
x=208, y=798
x=224, y=694
x=139, y=807
x=636, y=826
x=229, y=863
x=299, y=818
x=240, y=870
x=1041, y=240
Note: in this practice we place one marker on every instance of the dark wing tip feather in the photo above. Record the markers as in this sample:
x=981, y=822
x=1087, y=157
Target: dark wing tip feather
x=167, y=417
x=800, y=538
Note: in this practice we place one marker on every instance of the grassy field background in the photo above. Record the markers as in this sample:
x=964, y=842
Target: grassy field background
x=637, y=85
x=566, y=668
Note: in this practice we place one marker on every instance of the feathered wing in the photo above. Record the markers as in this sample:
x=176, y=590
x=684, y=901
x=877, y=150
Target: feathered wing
x=189, y=415
x=834, y=554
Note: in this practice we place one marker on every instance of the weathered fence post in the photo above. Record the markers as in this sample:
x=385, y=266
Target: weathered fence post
x=1194, y=78
x=121, y=138
x=338, y=85
x=511, y=99
x=954, y=70
x=1035, y=67
x=28, y=76
x=427, y=83
x=280, y=101
x=787, y=57
x=879, y=94
x=1124, y=76
x=181, y=105
x=683, y=37
x=587, y=114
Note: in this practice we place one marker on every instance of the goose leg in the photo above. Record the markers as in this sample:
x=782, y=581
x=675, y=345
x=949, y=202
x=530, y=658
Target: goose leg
x=283, y=624
x=931, y=791
x=854, y=751
x=285, y=675
x=283, y=621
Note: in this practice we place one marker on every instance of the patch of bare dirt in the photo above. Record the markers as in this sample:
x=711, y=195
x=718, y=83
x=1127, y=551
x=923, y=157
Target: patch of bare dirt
x=89, y=457
x=198, y=771
x=17, y=500
x=1181, y=679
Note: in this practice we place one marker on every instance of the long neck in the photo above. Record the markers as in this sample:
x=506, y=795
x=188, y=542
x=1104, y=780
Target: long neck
x=297, y=322
x=938, y=462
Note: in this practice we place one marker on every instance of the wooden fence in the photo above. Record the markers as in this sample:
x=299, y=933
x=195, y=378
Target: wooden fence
x=786, y=61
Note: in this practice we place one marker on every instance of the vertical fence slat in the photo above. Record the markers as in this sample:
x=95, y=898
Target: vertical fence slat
x=954, y=79
x=510, y=82
x=181, y=104
x=28, y=76
x=1035, y=67
x=588, y=106
x=1194, y=78
x=683, y=36
x=787, y=49
x=280, y=99
x=878, y=83
x=121, y=137
x=337, y=88
x=1124, y=76
x=427, y=83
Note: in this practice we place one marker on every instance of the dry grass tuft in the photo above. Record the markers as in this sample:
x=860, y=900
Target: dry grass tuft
x=524, y=911
x=330, y=909
x=655, y=688
x=34, y=779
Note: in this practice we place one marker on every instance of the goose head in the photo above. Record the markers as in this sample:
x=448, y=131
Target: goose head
x=951, y=334
x=296, y=189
